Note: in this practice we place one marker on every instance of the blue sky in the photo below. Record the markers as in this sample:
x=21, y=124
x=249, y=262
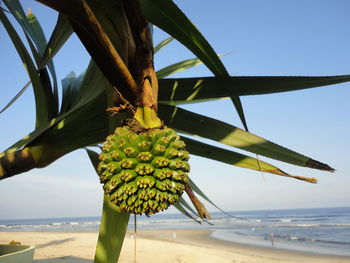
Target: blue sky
x=262, y=38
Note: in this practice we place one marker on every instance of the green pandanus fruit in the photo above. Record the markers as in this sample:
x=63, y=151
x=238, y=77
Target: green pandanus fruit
x=144, y=169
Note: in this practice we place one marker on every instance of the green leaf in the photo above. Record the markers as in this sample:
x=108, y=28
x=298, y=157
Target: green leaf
x=61, y=33
x=16, y=97
x=94, y=83
x=191, y=90
x=167, y=16
x=40, y=93
x=41, y=43
x=70, y=88
x=196, y=189
x=33, y=29
x=183, y=202
x=63, y=134
x=93, y=156
x=17, y=11
x=178, y=67
x=237, y=159
x=114, y=224
x=179, y=207
x=222, y=132
x=162, y=44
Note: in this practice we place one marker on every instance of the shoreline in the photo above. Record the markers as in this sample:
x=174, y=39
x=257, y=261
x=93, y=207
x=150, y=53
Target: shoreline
x=177, y=245
x=203, y=238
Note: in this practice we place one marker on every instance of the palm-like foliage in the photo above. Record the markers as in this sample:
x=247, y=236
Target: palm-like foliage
x=110, y=35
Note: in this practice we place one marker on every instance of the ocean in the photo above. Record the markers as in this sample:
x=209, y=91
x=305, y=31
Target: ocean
x=316, y=230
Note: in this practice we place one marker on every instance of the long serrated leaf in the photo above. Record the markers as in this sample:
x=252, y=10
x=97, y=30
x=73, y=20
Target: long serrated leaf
x=52, y=99
x=162, y=44
x=178, y=67
x=41, y=44
x=167, y=16
x=114, y=224
x=61, y=33
x=16, y=97
x=225, y=133
x=42, y=107
x=237, y=159
x=33, y=29
x=191, y=90
x=87, y=107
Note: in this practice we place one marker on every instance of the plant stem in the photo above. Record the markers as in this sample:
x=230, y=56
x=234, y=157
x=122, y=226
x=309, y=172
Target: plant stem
x=16, y=163
x=98, y=44
x=144, y=73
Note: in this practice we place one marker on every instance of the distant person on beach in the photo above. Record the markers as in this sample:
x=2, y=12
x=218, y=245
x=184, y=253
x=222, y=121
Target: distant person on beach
x=272, y=238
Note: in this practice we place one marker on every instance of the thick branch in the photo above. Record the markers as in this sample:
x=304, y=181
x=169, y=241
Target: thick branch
x=16, y=163
x=144, y=66
x=98, y=44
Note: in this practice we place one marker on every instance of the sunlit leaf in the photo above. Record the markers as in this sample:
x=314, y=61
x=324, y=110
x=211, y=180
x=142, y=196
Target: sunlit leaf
x=162, y=44
x=236, y=159
x=178, y=67
x=114, y=224
x=222, y=132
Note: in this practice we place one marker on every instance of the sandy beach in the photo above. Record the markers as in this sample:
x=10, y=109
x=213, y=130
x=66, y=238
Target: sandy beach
x=157, y=246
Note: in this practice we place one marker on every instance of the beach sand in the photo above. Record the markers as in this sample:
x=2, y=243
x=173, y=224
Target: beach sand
x=157, y=246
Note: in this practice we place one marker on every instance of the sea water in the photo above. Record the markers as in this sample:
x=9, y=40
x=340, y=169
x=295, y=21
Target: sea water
x=317, y=230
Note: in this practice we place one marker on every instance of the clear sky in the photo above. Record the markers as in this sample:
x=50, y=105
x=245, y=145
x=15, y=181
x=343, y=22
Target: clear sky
x=264, y=38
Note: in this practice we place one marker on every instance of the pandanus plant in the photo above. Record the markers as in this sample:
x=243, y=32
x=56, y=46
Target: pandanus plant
x=121, y=102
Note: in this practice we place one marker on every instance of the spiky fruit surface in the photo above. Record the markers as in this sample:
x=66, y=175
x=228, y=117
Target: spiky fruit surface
x=144, y=172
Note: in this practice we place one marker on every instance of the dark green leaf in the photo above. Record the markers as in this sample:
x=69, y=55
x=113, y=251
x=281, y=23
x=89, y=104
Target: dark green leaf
x=16, y=97
x=33, y=29
x=93, y=156
x=191, y=90
x=41, y=101
x=70, y=88
x=219, y=131
x=183, y=202
x=167, y=16
x=61, y=33
x=196, y=189
x=179, y=207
